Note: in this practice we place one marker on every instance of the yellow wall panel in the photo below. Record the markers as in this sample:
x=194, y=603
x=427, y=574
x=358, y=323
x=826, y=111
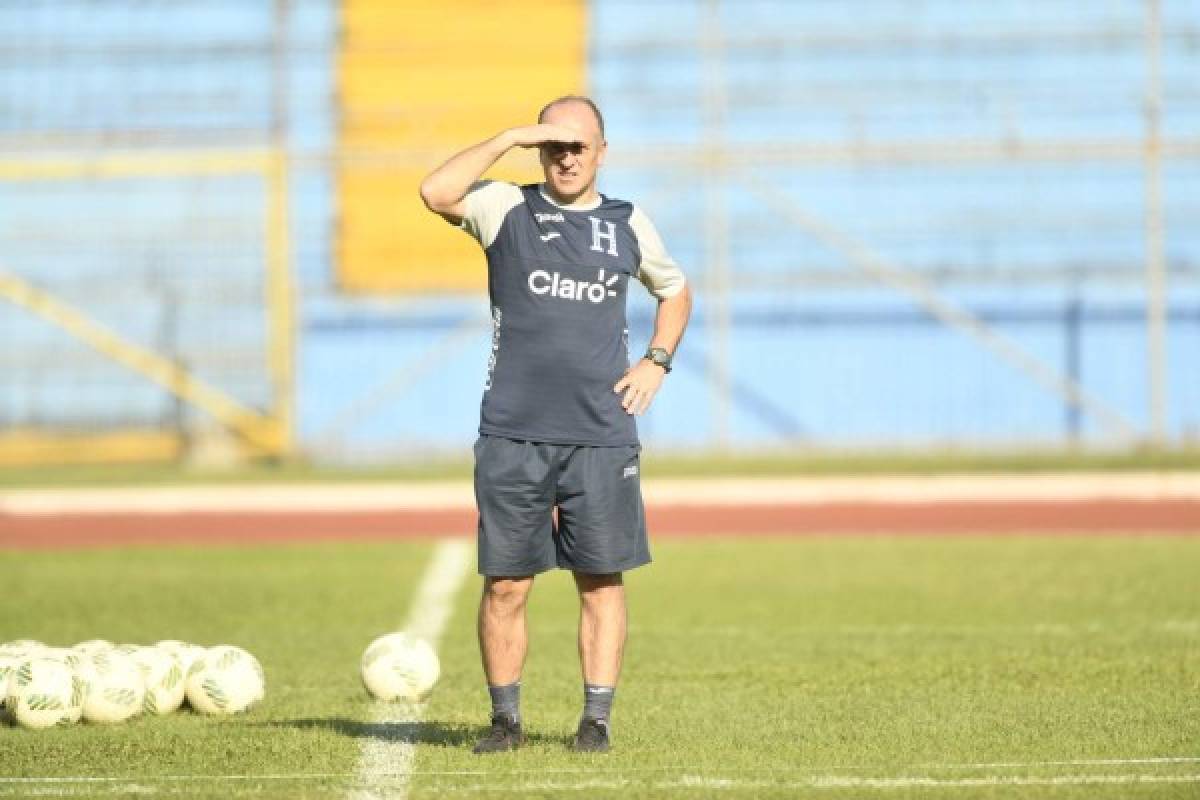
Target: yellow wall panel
x=418, y=81
x=23, y=448
x=375, y=21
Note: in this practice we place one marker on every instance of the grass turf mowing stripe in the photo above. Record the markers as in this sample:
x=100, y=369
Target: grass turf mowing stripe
x=388, y=753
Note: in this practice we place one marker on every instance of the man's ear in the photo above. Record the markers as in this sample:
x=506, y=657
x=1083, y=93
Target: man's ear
x=601, y=153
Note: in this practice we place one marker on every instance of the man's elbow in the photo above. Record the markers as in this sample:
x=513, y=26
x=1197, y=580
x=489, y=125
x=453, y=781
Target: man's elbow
x=682, y=299
x=430, y=197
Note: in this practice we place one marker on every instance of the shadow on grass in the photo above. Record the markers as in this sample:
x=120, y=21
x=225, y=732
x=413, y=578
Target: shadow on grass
x=428, y=732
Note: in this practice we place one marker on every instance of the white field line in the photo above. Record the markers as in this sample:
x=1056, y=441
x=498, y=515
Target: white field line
x=1079, y=762
x=457, y=495
x=387, y=755
x=994, y=780
x=592, y=770
x=693, y=782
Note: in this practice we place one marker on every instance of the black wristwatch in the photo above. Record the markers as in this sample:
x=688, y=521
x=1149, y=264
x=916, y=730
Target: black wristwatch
x=659, y=356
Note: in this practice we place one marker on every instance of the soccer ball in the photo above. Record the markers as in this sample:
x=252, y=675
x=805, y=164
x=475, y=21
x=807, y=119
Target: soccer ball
x=44, y=692
x=225, y=680
x=11, y=656
x=17, y=650
x=115, y=688
x=398, y=666
x=15, y=654
x=8, y=668
x=72, y=658
x=163, y=677
x=93, y=646
x=186, y=653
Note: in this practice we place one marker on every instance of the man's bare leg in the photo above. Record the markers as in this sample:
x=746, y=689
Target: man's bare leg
x=601, y=627
x=602, y=630
x=503, y=638
x=503, y=643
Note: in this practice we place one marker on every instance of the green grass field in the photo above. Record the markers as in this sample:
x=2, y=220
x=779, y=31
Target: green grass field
x=852, y=667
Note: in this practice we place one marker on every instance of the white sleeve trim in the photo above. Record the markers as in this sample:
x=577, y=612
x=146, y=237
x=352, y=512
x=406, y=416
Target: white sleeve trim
x=657, y=270
x=487, y=204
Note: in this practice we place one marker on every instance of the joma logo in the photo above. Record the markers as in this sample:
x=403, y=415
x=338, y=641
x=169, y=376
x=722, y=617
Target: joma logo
x=555, y=285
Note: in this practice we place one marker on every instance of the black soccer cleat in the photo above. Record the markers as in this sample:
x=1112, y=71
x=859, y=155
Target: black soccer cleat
x=592, y=736
x=505, y=735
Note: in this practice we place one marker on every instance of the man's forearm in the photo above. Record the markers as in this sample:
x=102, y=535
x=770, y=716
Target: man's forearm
x=671, y=319
x=447, y=185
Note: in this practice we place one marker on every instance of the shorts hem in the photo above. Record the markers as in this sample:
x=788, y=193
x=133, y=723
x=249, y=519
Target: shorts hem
x=491, y=572
x=590, y=570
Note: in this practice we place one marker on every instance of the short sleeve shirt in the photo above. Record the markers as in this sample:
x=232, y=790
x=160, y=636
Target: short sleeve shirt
x=557, y=281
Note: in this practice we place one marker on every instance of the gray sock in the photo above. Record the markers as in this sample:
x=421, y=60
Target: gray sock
x=506, y=700
x=597, y=701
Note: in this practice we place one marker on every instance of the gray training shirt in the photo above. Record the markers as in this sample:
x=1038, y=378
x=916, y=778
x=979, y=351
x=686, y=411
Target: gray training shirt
x=557, y=277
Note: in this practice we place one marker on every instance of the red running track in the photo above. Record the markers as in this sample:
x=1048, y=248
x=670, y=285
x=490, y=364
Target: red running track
x=1079, y=517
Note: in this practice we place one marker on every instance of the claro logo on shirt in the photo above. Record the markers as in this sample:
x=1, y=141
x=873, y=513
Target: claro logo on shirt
x=555, y=285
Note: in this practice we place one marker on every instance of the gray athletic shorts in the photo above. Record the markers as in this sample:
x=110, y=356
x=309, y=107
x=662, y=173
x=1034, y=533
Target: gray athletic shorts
x=601, y=525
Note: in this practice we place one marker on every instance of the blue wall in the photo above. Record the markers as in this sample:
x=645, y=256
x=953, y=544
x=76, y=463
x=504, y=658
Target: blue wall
x=1049, y=252
x=836, y=359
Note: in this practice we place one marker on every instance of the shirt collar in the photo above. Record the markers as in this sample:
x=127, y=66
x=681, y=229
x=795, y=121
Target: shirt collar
x=592, y=206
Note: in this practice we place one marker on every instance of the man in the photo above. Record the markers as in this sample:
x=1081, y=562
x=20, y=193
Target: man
x=557, y=429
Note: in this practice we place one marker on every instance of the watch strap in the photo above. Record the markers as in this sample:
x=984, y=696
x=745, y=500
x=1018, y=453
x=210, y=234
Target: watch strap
x=660, y=356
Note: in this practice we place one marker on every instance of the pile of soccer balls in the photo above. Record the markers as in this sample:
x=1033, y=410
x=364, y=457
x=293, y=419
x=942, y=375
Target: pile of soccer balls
x=100, y=682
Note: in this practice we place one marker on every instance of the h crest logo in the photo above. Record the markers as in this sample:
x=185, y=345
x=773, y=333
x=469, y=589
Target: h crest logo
x=598, y=236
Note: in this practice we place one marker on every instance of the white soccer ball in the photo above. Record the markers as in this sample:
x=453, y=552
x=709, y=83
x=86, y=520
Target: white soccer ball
x=399, y=666
x=74, y=661
x=8, y=668
x=19, y=649
x=225, y=680
x=8, y=663
x=11, y=655
x=44, y=692
x=187, y=653
x=69, y=656
x=115, y=688
x=91, y=646
x=163, y=678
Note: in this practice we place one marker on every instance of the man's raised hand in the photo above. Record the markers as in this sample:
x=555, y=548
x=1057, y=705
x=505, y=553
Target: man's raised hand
x=536, y=135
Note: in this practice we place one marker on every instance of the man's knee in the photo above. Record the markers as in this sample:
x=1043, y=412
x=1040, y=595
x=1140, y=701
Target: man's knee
x=599, y=586
x=506, y=595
